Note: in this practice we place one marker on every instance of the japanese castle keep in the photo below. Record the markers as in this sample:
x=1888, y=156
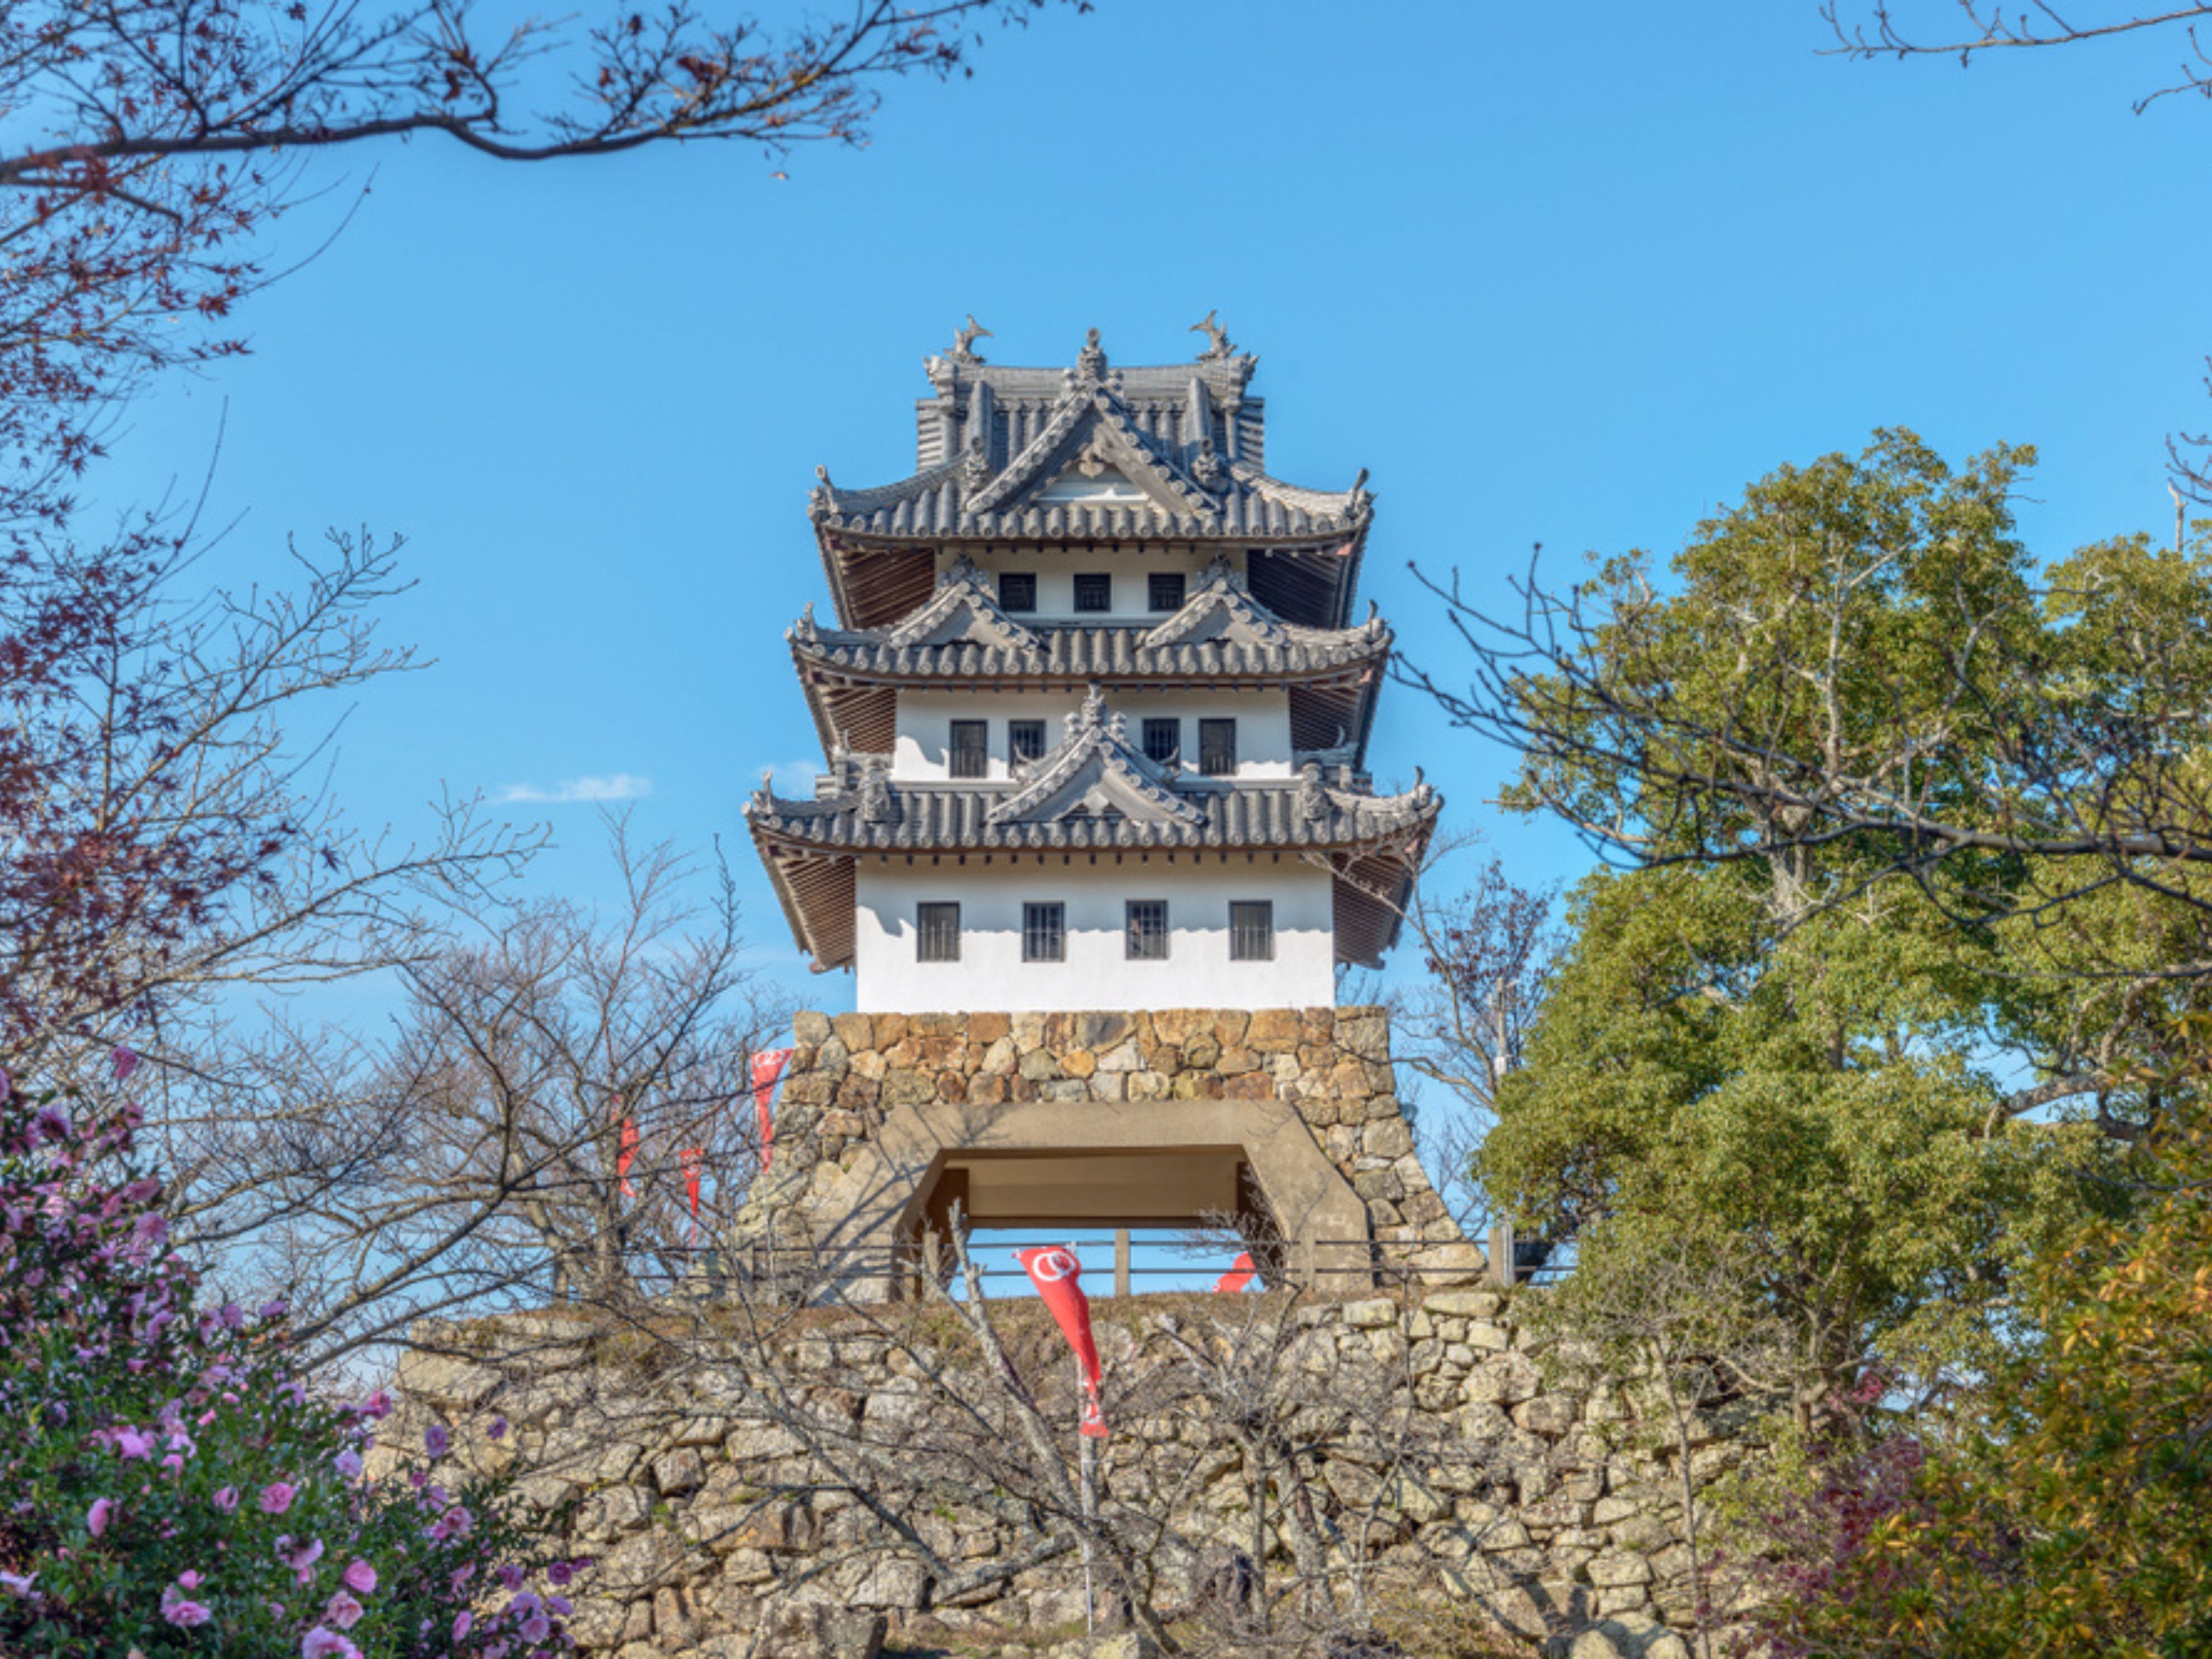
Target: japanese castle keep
x=1096, y=825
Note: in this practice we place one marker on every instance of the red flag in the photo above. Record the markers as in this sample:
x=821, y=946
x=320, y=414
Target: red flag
x=1056, y=1273
x=694, y=1160
x=767, y=1066
x=627, y=1156
x=1241, y=1272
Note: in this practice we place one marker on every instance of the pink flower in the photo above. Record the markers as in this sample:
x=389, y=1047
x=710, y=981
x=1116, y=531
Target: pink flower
x=300, y=1557
x=125, y=1062
x=453, y=1523
x=320, y=1643
x=436, y=1441
x=378, y=1405
x=344, y=1611
x=462, y=1621
x=276, y=1497
x=178, y=1608
x=15, y=1583
x=360, y=1578
x=131, y=1444
x=536, y=1627
x=103, y=1511
x=227, y=1499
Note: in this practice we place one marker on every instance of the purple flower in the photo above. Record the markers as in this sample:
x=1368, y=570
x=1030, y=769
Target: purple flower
x=15, y=1583
x=560, y=1573
x=348, y=1463
x=103, y=1511
x=498, y=1429
x=536, y=1627
x=124, y=1062
x=511, y=1575
x=227, y=1499
x=436, y=1441
x=462, y=1621
x=276, y=1497
x=344, y=1611
x=378, y=1405
x=321, y=1643
x=360, y=1578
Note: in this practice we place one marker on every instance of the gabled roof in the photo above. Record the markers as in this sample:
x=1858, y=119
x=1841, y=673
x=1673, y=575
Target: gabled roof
x=1095, y=772
x=965, y=611
x=1180, y=437
x=1371, y=845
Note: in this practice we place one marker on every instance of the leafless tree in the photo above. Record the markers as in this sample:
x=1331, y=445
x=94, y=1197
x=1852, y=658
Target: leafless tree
x=556, y=1080
x=1677, y=1324
x=1259, y=1494
x=166, y=832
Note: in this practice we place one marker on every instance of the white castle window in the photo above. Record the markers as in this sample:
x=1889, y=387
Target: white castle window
x=1148, y=930
x=1044, y=932
x=937, y=932
x=1251, y=930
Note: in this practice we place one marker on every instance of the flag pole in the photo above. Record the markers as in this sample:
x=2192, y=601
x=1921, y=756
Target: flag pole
x=1087, y=1452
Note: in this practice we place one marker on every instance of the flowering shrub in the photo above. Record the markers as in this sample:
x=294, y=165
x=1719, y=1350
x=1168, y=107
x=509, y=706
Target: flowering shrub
x=168, y=1483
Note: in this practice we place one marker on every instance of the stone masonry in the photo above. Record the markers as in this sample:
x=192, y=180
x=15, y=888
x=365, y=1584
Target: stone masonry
x=1285, y=1082
x=1542, y=1507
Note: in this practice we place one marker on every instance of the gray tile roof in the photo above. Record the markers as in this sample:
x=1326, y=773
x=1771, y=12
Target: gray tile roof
x=1220, y=632
x=906, y=818
x=1178, y=433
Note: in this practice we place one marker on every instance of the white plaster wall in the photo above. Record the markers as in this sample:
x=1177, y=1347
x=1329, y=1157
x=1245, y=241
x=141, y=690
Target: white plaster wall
x=1055, y=569
x=923, y=754
x=991, y=976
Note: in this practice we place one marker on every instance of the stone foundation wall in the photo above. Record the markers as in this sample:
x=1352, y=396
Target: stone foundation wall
x=851, y=1073
x=1539, y=1503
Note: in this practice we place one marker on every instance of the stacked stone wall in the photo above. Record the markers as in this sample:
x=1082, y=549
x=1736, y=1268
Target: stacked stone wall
x=847, y=1072
x=1544, y=1507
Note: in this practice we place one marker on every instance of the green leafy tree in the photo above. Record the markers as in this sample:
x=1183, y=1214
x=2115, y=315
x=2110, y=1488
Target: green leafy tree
x=1916, y=835
x=2068, y=1509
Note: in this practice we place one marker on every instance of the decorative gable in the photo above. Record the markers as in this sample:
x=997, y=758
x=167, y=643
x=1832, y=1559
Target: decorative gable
x=1097, y=773
x=963, y=610
x=1090, y=450
x=1222, y=611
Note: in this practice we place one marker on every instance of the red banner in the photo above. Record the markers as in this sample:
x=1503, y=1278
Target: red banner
x=627, y=1156
x=1241, y=1272
x=694, y=1159
x=768, y=1066
x=1057, y=1275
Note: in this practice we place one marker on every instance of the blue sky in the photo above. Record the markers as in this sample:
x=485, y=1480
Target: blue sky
x=1566, y=275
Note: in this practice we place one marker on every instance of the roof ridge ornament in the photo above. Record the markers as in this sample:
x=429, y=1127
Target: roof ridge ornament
x=963, y=341
x=1090, y=361
x=1218, y=347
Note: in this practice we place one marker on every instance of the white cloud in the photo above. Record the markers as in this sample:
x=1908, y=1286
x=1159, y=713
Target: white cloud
x=616, y=786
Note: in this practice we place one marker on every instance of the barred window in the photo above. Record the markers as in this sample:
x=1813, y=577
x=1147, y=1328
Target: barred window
x=1217, y=748
x=1025, y=739
x=1148, y=930
x=1251, y=930
x=1094, y=591
x=1163, y=590
x=1016, y=590
x=971, y=749
x=937, y=932
x=1162, y=740
x=1044, y=932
